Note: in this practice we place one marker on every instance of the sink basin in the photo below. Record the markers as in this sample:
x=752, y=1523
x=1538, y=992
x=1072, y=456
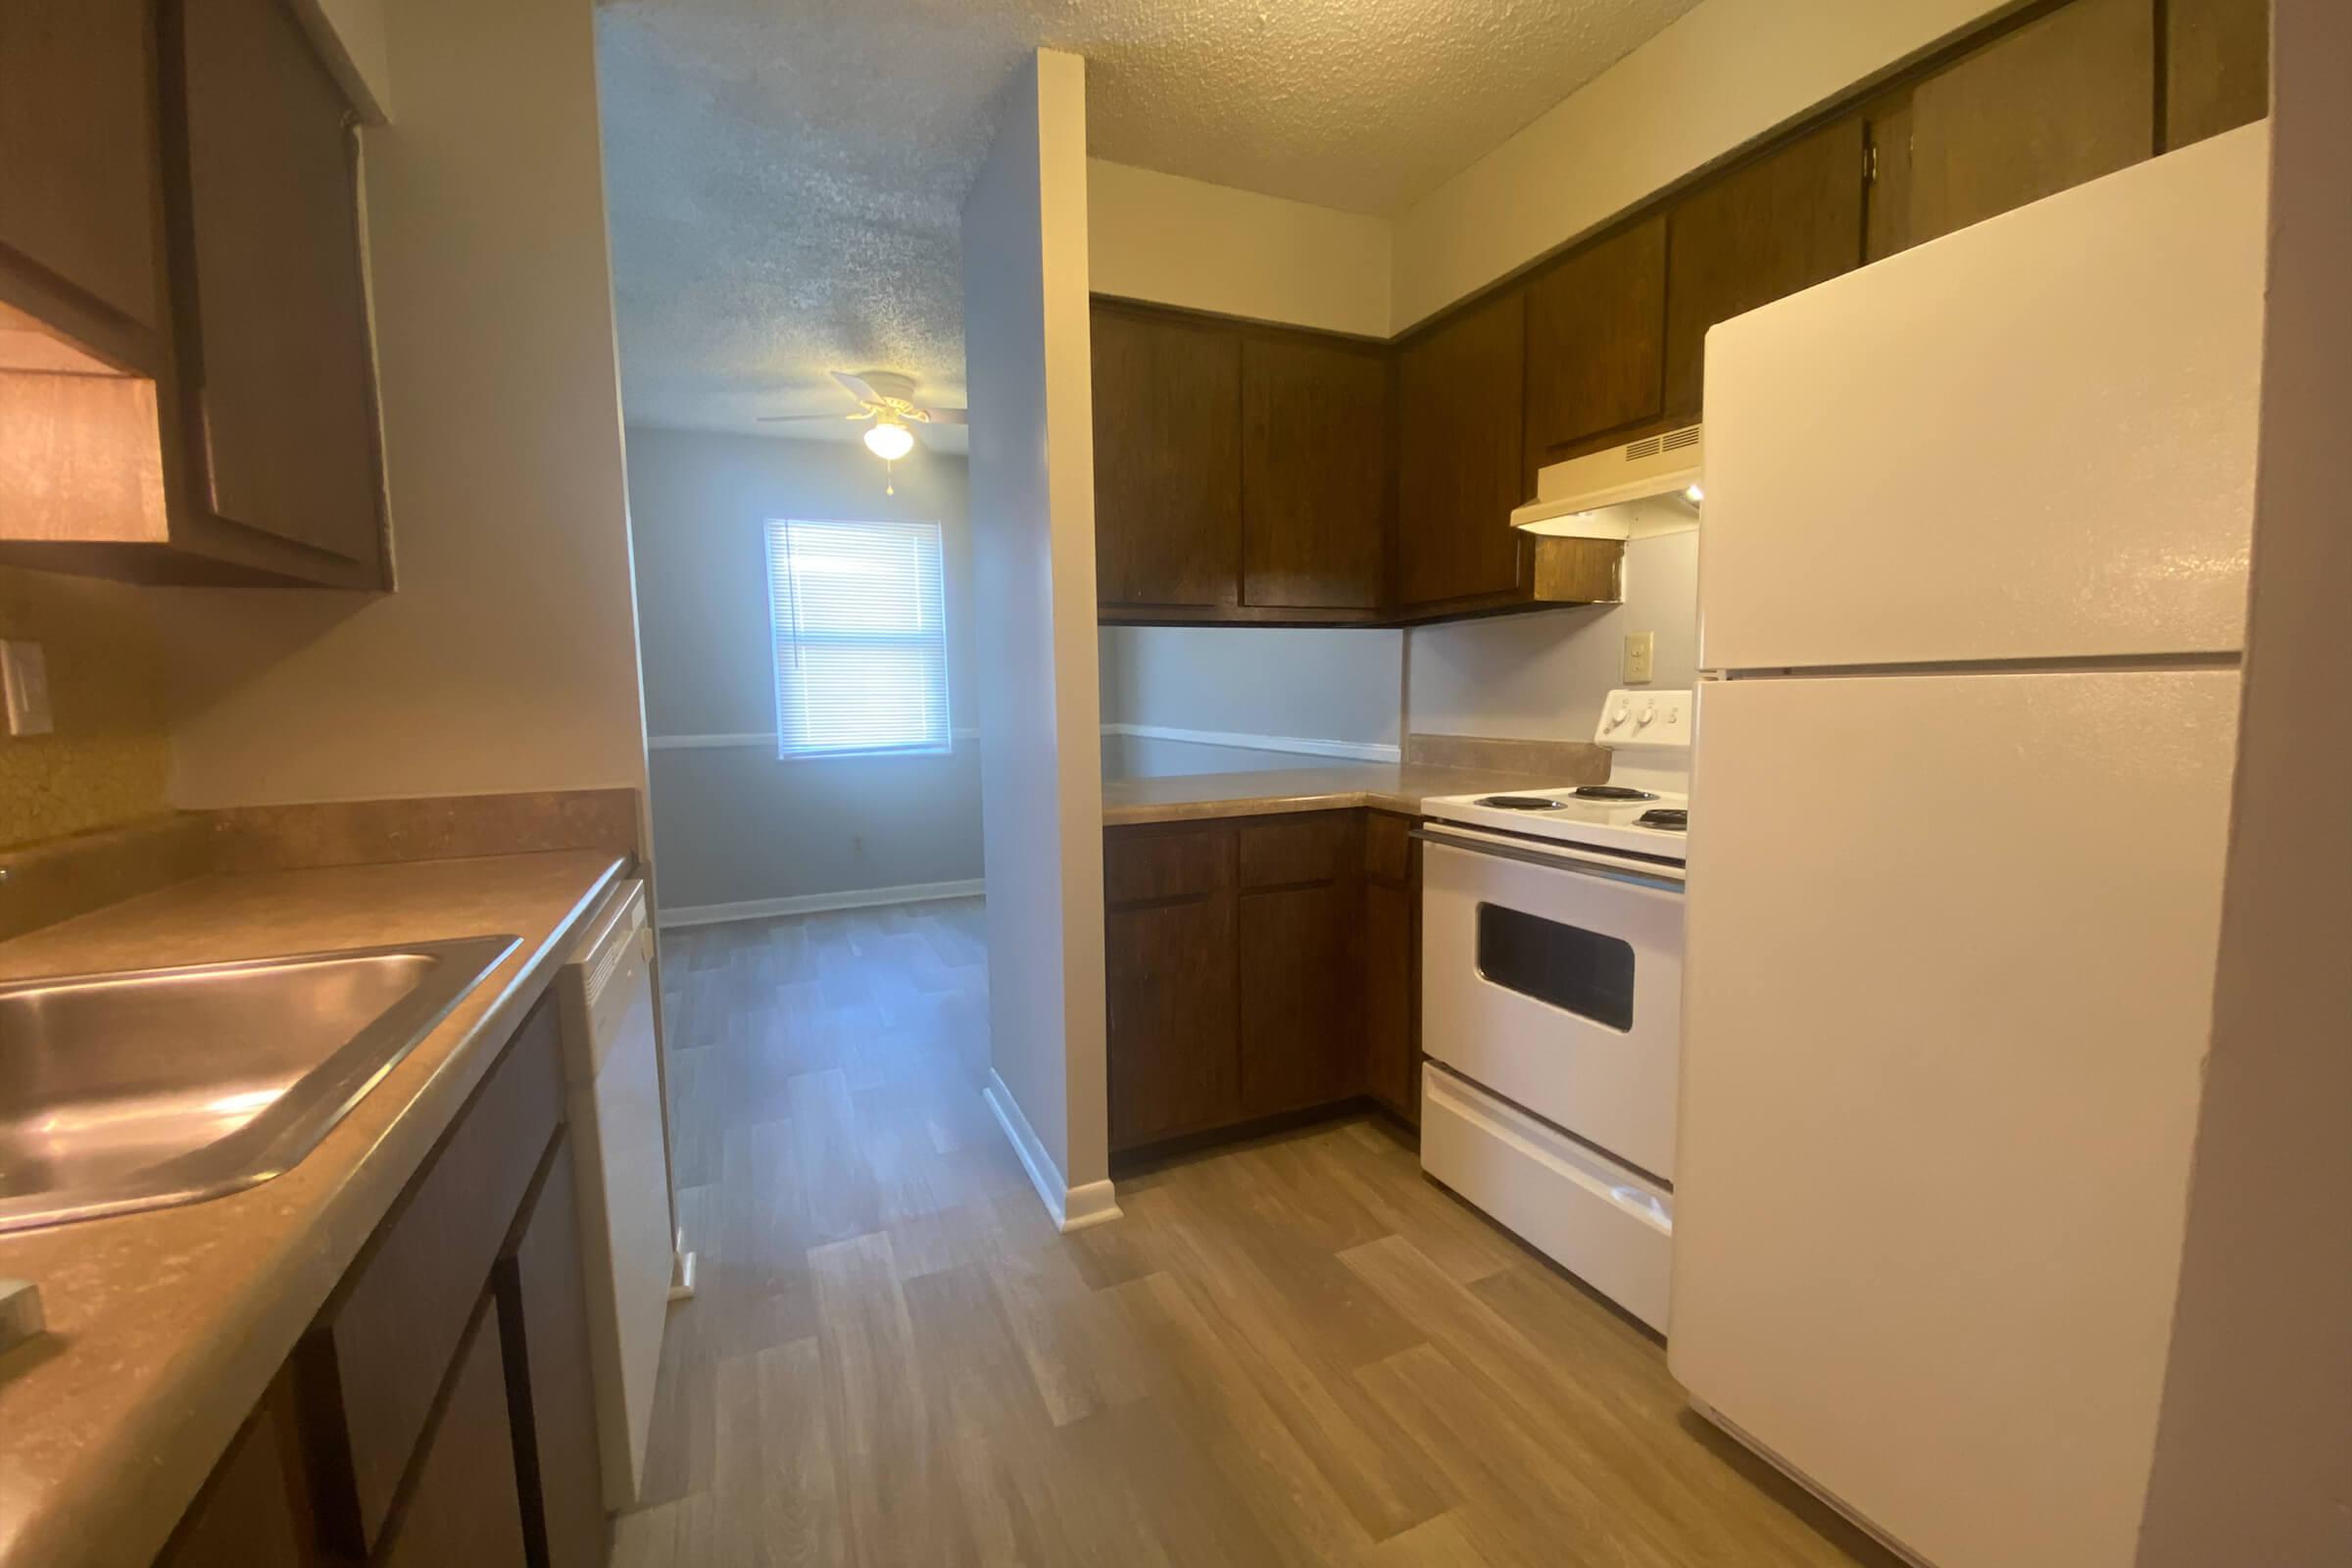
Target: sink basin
x=164, y=1086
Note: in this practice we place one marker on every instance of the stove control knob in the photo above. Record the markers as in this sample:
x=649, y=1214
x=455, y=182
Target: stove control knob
x=1650, y=712
x=1618, y=717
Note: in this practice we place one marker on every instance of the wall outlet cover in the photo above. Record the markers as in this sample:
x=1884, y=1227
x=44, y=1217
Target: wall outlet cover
x=25, y=676
x=1641, y=654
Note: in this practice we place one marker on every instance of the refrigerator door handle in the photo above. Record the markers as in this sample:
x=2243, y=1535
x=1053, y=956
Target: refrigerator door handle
x=1665, y=879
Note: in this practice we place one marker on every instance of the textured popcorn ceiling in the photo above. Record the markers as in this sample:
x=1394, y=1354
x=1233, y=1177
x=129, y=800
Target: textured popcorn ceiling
x=785, y=175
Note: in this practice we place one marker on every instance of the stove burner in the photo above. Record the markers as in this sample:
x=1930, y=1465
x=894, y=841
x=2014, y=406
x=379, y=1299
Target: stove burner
x=1673, y=818
x=1520, y=803
x=1611, y=792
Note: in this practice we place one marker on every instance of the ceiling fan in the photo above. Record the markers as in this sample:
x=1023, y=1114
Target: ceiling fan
x=887, y=399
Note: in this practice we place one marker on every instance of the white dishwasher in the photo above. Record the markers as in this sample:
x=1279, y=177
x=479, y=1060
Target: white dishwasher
x=614, y=1098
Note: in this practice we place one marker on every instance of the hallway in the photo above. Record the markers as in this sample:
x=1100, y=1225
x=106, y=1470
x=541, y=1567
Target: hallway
x=1294, y=1351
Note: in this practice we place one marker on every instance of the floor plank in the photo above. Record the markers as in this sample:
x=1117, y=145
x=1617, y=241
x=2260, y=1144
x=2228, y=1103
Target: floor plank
x=1293, y=1352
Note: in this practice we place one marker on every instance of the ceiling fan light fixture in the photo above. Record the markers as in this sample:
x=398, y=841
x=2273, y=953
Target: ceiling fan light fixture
x=888, y=440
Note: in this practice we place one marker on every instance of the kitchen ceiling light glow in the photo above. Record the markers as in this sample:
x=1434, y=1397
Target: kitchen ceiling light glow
x=889, y=442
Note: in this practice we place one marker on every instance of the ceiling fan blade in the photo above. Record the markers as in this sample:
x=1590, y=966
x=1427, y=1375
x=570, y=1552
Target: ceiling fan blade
x=856, y=386
x=946, y=415
x=795, y=419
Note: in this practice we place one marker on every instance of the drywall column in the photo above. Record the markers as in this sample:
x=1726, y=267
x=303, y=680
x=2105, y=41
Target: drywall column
x=2254, y=1448
x=1032, y=496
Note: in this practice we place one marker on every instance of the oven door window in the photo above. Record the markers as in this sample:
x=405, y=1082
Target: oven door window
x=1581, y=971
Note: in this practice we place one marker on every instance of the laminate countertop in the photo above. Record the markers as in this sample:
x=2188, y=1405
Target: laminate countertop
x=165, y=1326
x=1335, y=786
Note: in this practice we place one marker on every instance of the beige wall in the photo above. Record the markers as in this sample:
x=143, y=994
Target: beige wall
x=2254, y=1447
x=1032, y=550
x=736, y=823
x=109, y=756
x=1727, y=74
x=1177, y=241
x=1317, y=684
x=1544, y=675
x=508, y=659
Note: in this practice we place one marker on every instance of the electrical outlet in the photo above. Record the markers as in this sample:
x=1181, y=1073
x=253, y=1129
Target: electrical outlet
x=25, y=675
x=1641, y=651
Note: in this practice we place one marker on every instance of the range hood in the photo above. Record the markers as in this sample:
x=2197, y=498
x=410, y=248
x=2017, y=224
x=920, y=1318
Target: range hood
x=1634, y=491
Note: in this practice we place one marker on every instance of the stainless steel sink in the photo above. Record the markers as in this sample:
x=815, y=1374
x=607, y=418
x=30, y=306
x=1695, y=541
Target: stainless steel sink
x=163, y=1086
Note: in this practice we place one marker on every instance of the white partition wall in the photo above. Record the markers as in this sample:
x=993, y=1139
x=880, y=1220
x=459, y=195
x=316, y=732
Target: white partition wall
x=1033, y=564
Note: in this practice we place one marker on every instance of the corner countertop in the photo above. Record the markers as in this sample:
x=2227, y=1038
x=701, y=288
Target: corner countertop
x=167, y=1326
x=1390, y=786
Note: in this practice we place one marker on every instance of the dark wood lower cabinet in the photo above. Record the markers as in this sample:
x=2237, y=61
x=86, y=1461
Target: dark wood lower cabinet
x=463, y=1505
x=1393, y=964
x=441, y=1409
x=541, y=1284
x=1258, y=967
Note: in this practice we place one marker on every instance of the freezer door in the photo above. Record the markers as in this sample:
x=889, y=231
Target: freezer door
x=2030, y=439
x=1944, y=1031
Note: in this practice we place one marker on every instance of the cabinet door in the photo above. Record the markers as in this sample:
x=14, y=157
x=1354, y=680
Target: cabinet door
x=1597, y=341
x=1167, y=461
x=542, y=1291
x=278, y=364
x=463, y=1507
x=1300, y=1040
x=1458, y=476
x=1789, y=221
x=1169, y=974
x=254, y=1511
x=1392, y=1068
x=78, y=147
x=2217, y=67
x=2061, y=100
x=1315, y=472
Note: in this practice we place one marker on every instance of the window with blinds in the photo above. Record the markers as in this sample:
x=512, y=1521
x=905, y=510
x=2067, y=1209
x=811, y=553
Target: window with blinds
x=859, y=622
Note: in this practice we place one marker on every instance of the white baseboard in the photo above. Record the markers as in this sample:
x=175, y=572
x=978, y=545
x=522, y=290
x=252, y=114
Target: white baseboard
x=814, y=904
x=1355, y=750
x=1071, y=1207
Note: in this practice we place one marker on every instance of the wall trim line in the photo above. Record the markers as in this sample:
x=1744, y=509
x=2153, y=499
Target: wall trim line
x=1355, y=750
x=686, y=914
x=743, y=740
x=1071, y=1208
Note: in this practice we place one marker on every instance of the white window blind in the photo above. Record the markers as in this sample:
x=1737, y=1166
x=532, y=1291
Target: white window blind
x=859, y=622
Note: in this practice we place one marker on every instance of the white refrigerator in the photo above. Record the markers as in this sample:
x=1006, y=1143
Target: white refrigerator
x=1971, y=580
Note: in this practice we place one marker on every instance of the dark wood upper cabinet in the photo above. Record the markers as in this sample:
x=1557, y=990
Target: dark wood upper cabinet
x=1167, y=459
x=1458, y=472
x=1784, y=223
x=2063, y=99
x=2217, y=67
x=77, y=162
x=1597, y=341
x=1315, y=472
x=277, y=369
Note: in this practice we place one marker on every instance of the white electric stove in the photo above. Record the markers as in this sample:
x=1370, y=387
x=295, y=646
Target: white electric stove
x=1552, y=966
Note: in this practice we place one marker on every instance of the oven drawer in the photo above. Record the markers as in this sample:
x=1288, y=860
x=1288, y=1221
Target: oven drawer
x=1600, y=1222
x=1558, y=989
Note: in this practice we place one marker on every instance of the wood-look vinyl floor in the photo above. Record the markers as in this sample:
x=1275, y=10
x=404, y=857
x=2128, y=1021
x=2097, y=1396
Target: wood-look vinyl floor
x=1296, y=1351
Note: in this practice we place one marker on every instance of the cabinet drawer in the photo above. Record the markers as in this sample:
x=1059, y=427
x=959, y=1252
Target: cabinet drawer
x=1140, y=867
x=465, y=1507
x=1279, y=851
x=369, y=1367
x=1388, y=847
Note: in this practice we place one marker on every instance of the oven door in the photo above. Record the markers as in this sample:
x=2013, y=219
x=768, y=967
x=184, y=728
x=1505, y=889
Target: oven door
x=1554, y=978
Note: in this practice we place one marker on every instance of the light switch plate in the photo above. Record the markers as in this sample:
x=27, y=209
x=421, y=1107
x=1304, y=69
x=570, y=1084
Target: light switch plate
x=25, y=676
x=1640, y=654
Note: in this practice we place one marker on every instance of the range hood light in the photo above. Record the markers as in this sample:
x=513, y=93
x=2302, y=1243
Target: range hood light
x=1694, y=495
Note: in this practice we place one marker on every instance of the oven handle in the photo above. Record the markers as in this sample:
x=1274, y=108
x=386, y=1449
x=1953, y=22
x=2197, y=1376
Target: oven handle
x=1558, y=859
